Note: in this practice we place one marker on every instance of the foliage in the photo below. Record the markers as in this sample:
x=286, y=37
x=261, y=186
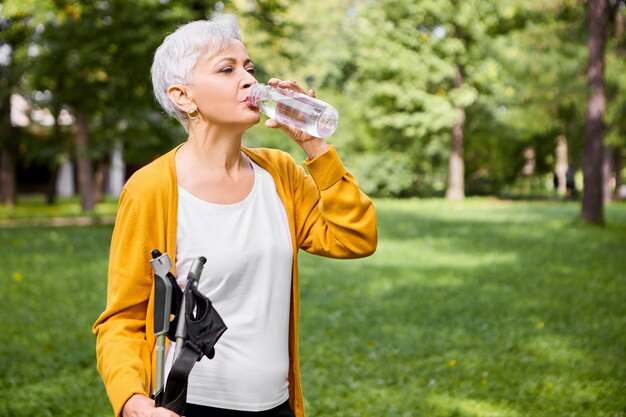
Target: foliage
x=615, y=80
x=16, y=26
x=383, y=174
x=465, y=309
x=548, y=100
x=399, y=77
x=266, y=33
x=388, y=66
x=91, y=63
x=407, y=57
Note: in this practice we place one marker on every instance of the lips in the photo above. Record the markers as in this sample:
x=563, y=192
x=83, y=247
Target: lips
x=250, y=104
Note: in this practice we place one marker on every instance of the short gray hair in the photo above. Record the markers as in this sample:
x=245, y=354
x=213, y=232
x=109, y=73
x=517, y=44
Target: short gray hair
x=175, y=59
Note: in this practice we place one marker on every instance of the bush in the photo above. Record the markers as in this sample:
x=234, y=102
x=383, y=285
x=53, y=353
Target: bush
x=385, y=174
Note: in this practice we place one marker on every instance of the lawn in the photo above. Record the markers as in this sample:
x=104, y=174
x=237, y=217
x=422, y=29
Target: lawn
x=32, y=210
x=475, y=309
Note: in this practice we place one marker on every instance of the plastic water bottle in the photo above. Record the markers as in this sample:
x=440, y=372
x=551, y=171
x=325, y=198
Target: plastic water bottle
x=297, y=110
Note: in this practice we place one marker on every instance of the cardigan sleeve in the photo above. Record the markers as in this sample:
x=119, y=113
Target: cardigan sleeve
x=334, y=217
x=123, y=353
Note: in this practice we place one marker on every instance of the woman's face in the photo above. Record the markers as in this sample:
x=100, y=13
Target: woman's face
x=220, y=86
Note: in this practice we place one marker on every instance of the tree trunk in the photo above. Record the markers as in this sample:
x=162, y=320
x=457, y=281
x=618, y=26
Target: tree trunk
x=530, y=162
x=456, y=174
x=85, y=175
x=65, y=185
x=51, y=187
x=99, y=181
x=607, y=175
x=7, y=178
x=592, y=208
x=617, y=167
x=55, y=166
x=562, y=163
x=117, y=171
x=7, y=156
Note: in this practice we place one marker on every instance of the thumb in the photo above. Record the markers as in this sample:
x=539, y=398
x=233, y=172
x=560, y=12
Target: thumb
x=271, y=123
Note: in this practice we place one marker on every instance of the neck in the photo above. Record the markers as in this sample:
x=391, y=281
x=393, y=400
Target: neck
x=215, y=148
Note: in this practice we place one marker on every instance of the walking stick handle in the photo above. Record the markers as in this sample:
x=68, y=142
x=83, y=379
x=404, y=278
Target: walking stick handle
x=193, y=277
x=161, y=265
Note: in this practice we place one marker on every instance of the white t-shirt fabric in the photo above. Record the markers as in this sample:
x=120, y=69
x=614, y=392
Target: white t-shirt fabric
x=247, y=276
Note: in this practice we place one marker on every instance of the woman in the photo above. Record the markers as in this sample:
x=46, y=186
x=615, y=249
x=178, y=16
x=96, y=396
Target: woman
x=248, y=211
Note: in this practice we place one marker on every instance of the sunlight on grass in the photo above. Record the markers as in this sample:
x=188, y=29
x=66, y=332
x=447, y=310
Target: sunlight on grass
x=34, y=206
x=477, y=304
x=463, y=407
x=435, y=253
x=553, y=348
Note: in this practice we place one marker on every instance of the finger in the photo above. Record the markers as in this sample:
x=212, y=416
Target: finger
x=290, y=131
x=274, y=82
x=163, y=412
x=273, y=124
x=291, y=85
x=311, y=93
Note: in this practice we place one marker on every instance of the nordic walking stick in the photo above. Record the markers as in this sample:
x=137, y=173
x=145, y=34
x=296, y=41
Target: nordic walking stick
x=161, y=265
x=192, y=279
x=198, y=328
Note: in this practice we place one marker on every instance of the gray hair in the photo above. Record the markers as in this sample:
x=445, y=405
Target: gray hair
x=175, y=59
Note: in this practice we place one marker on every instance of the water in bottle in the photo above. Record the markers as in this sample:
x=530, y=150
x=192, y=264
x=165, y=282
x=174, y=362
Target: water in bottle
x=297, y=110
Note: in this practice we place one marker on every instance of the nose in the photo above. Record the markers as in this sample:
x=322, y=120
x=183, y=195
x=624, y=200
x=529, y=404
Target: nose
x=249, y=80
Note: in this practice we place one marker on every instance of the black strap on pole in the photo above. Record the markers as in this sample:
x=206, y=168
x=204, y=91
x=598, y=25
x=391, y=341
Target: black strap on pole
x=204, y=328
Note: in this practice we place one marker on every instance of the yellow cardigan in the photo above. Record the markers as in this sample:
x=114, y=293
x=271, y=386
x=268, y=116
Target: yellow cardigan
x=328, y=215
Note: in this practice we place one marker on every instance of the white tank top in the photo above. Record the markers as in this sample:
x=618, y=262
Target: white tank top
x=247, y=276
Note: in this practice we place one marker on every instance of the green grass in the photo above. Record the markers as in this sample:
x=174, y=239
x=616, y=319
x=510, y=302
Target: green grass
x=33, y=207
x=476, y=309
x=52, y=287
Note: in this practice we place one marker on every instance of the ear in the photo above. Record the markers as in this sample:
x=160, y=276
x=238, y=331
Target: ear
x=181, y=96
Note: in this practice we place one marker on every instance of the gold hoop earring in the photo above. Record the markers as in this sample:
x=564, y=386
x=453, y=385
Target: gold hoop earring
x=192, y=113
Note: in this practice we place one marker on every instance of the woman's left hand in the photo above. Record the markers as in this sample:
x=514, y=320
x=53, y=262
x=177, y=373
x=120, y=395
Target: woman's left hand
x=313, y=146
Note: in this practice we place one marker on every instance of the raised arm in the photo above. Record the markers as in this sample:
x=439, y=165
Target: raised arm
x=334, y=217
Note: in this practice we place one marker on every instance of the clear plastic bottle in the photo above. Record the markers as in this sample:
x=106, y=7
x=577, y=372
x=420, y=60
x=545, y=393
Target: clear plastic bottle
x=305, y=113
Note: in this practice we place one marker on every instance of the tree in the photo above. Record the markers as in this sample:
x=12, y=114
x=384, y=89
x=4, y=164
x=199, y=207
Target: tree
x=15, y=29
x=433, y=96
x=545, y=105
x=423, y=67
x=95, y=58
x=592, y=207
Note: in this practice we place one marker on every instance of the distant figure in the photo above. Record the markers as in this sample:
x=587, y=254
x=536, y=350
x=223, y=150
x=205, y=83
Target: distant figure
x=555, y=180
x=570, y=183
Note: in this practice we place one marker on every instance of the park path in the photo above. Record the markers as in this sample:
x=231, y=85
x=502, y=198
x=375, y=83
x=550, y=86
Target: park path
x=59, y=221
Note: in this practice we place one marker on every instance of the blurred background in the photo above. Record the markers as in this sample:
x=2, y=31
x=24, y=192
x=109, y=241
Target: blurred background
x=436, y=98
